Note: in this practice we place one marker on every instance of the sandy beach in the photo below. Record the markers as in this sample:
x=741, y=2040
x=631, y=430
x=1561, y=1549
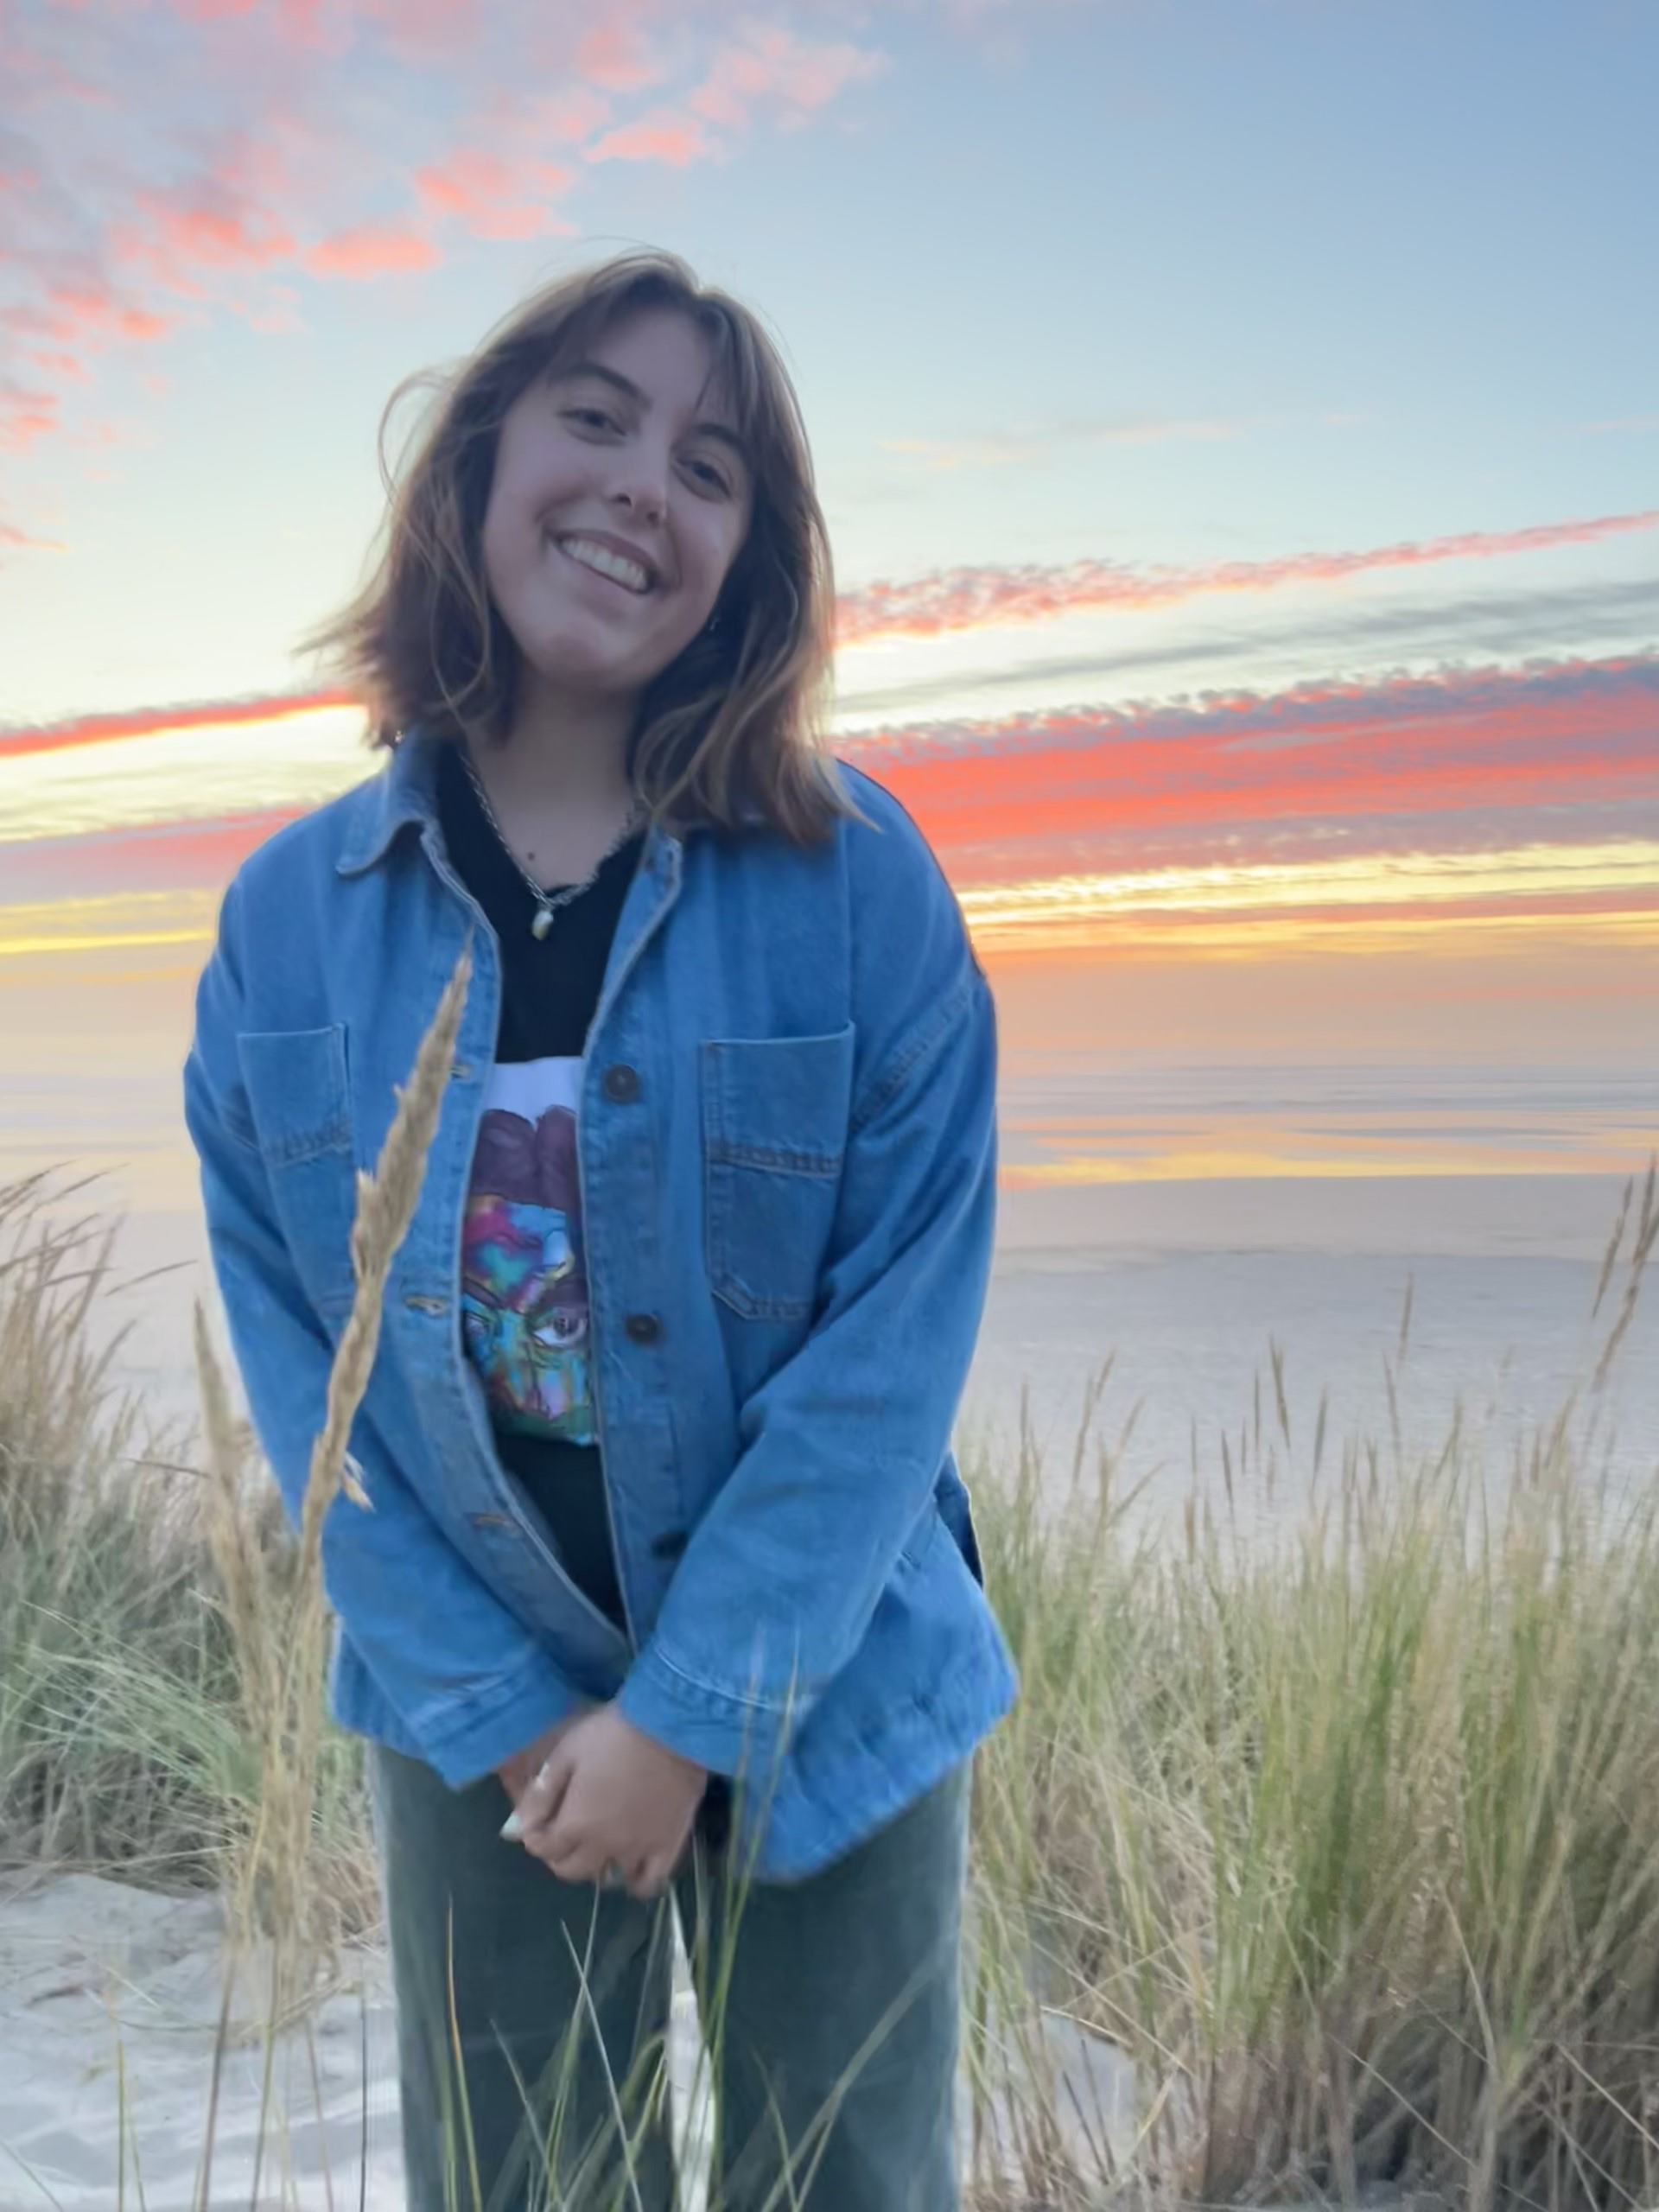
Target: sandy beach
x=110, y=2001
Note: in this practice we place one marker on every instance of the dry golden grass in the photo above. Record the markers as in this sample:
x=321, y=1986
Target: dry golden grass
x=282, y=1636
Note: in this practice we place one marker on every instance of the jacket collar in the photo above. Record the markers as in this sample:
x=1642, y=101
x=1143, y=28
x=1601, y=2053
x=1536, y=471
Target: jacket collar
x=406, y=791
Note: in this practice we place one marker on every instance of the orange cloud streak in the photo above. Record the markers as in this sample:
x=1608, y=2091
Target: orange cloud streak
x=1475, y=743
x=963, y=599
x=148, y=721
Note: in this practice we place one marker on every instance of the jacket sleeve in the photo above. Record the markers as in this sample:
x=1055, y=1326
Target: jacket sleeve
x=477, y=1686
x=843, y=1444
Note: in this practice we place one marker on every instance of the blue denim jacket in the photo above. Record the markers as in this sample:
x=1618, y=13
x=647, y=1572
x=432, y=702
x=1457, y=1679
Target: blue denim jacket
x=787, y=1160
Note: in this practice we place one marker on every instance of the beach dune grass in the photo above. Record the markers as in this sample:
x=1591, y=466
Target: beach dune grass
x=1351, y=1839
x=1345, y=1841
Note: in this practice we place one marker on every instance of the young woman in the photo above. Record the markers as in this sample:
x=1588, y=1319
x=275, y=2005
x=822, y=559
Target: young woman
x=668, y=1552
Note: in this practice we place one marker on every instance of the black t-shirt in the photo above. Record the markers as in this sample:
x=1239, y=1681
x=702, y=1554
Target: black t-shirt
x=525, y=1293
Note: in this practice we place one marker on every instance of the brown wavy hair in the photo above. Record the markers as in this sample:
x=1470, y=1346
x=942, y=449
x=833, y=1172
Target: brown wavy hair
x=737, y=721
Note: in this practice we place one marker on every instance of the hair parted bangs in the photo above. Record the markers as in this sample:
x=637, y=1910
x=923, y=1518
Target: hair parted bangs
x=737, y=719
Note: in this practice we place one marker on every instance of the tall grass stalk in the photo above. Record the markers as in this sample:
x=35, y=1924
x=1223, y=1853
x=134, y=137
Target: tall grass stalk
x=283, y=1646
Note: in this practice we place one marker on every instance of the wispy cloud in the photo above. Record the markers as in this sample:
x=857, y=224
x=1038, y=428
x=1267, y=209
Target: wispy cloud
x=1471, y=762
x=153, y=722
x=964, y=600
x=374, y=250
x=497, y=199
x=338, y=141
x=668, y=135
x=771, y=70
x=30, y=540
x=976, y=598
x=614, y=56
x=1322, y=766
x=1476, y=626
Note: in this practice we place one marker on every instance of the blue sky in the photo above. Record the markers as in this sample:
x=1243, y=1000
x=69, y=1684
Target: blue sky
x=1150, y=284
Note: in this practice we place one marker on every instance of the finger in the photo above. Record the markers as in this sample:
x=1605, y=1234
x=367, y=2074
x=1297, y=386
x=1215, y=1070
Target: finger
x=543, y=1796
x=583, y=1866
x=563, y=1858
x=568, y=1847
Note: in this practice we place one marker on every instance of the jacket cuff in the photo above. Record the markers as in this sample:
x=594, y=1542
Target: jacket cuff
x=479, y=1732
x=728, y=1735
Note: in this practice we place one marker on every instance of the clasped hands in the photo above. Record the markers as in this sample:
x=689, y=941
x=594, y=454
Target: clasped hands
x=595, y=1792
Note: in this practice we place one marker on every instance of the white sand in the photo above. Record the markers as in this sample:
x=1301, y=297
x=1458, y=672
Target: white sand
x=110, y=1999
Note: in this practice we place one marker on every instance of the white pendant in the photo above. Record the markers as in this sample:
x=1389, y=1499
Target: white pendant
x=543, y=922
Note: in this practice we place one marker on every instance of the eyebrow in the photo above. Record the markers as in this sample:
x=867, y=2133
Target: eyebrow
x=629, y=390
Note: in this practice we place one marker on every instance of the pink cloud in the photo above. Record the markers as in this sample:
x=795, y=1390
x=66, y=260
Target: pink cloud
x=775, y=67
x=298, y=24
x=84, y=312
x=69, y=366
x=143, y=327
x=1464, y=758
x=613, y=56
x=667, y=135
x=969, y=598
x=254, y=157
x=192, y=244
x=15, y=540
x=373, y=250
x=423, y=32
x=495, y=199
x=26, y=414
x=569, y=117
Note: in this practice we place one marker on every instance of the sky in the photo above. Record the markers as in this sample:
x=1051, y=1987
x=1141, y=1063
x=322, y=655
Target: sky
x=1238, y=428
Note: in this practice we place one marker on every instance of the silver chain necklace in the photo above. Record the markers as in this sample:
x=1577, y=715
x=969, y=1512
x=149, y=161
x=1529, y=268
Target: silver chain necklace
x=546, y=907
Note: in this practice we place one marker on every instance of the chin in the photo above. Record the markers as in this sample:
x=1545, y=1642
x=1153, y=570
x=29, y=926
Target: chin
x=572, y=659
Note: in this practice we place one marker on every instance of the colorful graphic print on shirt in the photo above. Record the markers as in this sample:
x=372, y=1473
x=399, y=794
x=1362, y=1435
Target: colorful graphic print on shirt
x=523, y=1264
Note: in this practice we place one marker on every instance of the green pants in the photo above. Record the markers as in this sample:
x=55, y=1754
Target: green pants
x=831, y=2005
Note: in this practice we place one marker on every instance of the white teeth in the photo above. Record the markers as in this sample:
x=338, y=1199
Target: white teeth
x=617, y=566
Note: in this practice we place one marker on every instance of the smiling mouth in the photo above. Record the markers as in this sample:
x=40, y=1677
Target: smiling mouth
x=599, y=561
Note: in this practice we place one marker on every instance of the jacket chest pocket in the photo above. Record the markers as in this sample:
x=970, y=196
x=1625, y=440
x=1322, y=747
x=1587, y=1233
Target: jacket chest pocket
x=775, y=1134
x=299, y=1101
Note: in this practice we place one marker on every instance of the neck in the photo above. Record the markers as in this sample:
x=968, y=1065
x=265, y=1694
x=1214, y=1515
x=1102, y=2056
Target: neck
x=565, y=753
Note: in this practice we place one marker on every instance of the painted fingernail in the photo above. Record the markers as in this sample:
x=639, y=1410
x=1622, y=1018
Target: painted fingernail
x=512, y=1827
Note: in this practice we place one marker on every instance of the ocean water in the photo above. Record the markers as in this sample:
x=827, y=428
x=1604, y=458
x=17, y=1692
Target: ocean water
x=1168, y=1353
x=1165, y=1303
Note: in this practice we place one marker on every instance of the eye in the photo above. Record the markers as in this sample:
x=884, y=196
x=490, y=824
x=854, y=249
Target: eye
x=591, y=415
x=712, y=475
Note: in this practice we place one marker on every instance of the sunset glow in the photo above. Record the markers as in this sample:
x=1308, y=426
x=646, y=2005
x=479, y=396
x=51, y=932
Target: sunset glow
x=1260, y=619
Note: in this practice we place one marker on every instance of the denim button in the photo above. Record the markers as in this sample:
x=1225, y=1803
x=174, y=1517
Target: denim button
x=669, y=1546
x=643, y=1328
x=622, y=1083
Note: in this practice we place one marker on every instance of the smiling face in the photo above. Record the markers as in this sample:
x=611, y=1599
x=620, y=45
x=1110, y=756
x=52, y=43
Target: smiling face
x=618, y=501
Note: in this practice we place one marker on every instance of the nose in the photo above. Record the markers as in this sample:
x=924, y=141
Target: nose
x=641, y=485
